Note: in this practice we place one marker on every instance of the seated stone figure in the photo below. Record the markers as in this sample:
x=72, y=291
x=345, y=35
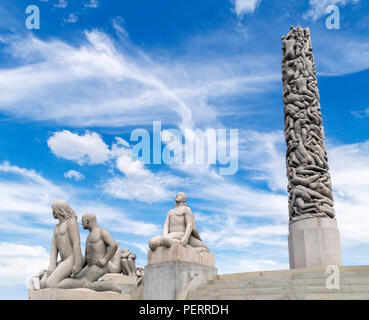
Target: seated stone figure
x=128, y=262
x=179, y=228
x=100, y=249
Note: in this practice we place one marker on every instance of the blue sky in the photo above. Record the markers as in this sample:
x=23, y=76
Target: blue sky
x=96, y=70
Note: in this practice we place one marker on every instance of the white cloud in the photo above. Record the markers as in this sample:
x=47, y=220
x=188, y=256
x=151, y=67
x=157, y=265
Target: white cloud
x=92, y=4
x=88, y=148
x=72, y=18
x=18, y=262
x=318, y=7
x=138, y=182
x=245, y=6
x=25, y=192
x=72, y=174
x=27, y=198
x=350, y=178
x=264, y=155
x=110, y=85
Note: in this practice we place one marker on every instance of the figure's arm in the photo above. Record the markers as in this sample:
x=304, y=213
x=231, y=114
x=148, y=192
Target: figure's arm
x=84, y=263
x=189, y=227
x=53, y=255
x=113, y=246
x=76, y=244
x=166, y=225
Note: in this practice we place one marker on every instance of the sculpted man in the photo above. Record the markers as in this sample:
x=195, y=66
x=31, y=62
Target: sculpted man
x=66, y=243
x=179, y=228
x=100, y=249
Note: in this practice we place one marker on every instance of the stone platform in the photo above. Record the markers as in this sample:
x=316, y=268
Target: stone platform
x=126, y=283
x=74, y=294
x=172, y=272
x=179, y=253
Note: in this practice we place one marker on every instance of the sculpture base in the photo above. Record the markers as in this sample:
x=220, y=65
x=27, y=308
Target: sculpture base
x=126, y=283
x=173, y=272
x=74, y=294
x=314, y=243
x=179, y=253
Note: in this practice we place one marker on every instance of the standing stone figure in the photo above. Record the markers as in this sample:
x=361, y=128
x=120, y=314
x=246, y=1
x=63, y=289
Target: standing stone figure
x=179, y=228
x=309, y=185
x=66, y=243
x=100, y=249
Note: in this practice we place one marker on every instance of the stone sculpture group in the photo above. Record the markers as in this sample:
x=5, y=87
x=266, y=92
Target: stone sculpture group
x=309, y=185
x=103, y=258
x=102, y=255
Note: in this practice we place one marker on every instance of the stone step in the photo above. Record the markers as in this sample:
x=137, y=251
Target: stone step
x=211, y=290
x=315, y=275
x=265, y=283
x=336, y=296
x=299, y=273
x=286, y=284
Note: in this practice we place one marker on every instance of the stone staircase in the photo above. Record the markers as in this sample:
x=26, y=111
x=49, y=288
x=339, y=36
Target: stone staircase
x=297, y=284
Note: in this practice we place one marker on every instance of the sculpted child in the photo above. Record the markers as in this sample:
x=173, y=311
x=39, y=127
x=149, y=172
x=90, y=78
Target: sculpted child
x=179, y=228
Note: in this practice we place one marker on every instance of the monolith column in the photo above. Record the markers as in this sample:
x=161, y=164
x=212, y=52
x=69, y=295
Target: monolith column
x=314, y=240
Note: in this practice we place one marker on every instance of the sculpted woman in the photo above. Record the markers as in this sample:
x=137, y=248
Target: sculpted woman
x=66, y=243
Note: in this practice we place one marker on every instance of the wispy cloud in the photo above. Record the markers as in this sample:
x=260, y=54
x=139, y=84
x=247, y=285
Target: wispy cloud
x=318, y=7
x=176, y=92
x=361, y=114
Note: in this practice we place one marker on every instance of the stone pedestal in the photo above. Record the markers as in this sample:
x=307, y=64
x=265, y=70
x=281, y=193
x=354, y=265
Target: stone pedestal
x=172, y=273
x=314, y=243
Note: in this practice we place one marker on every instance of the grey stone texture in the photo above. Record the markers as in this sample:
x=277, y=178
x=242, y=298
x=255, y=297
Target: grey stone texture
x=74, y=294
x=314, y=243
x=296, y=284
x=174, y=280
x=309, y=185
x=126, y=283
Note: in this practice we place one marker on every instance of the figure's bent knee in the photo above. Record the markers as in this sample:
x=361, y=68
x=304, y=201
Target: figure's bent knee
x=166, y=242
x=155, y=242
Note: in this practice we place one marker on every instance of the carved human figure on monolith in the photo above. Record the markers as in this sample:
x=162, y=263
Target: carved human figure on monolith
x=179, y=228
x=66, y=243
x=100, y=249
x=307, y=163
